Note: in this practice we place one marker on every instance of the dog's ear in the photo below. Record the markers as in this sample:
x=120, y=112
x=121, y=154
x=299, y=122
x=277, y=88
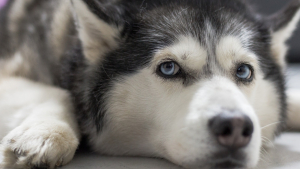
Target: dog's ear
x=283, y=24
x=99, y=24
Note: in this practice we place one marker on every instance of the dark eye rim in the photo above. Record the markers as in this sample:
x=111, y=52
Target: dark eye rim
x=248, y=80
x=177, y=75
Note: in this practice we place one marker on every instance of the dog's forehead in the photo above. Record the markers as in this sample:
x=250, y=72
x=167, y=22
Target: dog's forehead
x=208, y=25
x=196, y=40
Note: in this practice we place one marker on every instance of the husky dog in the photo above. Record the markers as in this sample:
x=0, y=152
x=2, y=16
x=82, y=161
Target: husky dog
x=197, y=82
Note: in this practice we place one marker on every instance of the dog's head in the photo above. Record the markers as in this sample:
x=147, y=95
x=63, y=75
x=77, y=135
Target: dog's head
x=198, y=82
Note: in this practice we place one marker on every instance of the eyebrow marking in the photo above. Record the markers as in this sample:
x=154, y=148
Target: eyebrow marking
x=184, y=56
x=189, y=50
x=231, y=50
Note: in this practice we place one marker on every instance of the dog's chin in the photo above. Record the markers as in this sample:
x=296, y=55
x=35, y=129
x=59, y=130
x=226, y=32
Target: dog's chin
x=225, y=164
x=230, y=160
x=229, y=165
x=221, y=160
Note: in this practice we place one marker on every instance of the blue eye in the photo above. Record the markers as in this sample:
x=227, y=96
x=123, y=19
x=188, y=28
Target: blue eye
x=169, y=68
x=244, y=72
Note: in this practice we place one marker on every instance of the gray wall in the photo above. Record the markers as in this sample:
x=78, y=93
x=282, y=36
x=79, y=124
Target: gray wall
x=271, y=6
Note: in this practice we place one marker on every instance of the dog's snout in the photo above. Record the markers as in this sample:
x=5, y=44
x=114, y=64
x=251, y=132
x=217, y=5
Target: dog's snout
x=232, y=130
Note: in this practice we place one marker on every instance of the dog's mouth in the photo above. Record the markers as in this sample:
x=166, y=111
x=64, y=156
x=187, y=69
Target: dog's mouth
x=233, y=160
x=228, y=163
x=221, y=163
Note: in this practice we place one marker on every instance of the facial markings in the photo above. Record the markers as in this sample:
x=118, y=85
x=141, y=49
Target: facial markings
x=231, y=54
x=187, y=53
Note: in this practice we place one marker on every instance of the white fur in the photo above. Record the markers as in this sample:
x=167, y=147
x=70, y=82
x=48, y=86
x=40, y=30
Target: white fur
x=261, y=94
x=265, y=102
x=38, y=124
x=230, y=51
x=189, y=51
x=179, y=118
x=209, y=100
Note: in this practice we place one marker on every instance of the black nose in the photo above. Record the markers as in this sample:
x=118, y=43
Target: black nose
x=233, y=130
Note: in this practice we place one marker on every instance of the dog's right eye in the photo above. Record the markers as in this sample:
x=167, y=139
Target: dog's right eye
x=169, y=69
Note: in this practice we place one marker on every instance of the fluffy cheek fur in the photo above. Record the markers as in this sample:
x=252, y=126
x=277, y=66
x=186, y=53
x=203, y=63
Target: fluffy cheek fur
x=265, y=100
x=161, y=118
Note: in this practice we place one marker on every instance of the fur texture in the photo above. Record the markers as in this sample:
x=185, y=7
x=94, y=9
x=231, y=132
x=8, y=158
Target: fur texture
x=100, y=61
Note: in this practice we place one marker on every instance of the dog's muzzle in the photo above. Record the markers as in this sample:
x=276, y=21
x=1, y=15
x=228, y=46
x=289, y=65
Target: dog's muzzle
x=232, y=131
x=220, y=129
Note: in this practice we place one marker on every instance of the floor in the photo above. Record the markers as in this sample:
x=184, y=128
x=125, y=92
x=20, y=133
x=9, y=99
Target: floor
x=284, y=155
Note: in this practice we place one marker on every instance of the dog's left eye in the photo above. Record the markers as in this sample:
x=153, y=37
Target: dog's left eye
x=169, y=68
x=244, y=72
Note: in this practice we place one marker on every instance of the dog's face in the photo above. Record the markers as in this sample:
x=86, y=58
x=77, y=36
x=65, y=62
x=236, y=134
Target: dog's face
x=196, y=82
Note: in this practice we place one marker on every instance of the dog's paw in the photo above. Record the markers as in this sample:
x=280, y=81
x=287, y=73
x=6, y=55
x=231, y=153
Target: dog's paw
x=43, y=146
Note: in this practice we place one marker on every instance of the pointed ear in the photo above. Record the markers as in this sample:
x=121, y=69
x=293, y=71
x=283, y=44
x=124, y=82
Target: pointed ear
x=99, y=24
x=283, y=24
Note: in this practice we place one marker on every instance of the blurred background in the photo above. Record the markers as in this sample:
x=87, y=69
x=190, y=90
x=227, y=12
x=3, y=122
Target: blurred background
x=268, y=7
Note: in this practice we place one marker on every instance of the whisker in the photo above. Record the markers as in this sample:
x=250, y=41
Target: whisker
x=271, y=124
x=268, y=141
